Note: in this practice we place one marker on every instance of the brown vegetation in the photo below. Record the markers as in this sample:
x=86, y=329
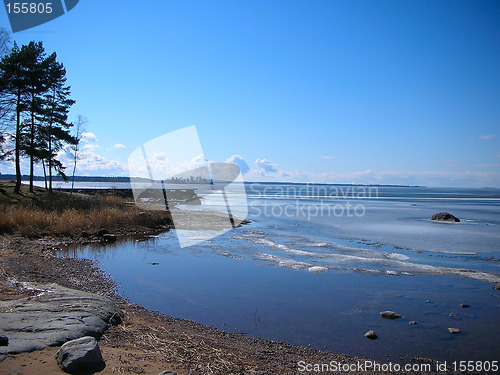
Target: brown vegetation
x=40, y=213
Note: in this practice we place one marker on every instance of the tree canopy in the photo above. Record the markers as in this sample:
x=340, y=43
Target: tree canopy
x=35, y=101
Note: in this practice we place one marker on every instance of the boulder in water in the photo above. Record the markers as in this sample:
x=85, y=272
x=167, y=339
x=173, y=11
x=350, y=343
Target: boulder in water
x=390, y=315
x=445, y=216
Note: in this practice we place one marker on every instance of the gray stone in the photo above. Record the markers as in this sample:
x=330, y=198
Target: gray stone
x=371, y=335
x=390, y=315
x=115, y=319
x=496, y=286
x=103, y=231
x=464, y=306
x=445, y=216
x=80, y=355
x=108, y=237
x=454, y=330
x=53, y=316
x=413, y=323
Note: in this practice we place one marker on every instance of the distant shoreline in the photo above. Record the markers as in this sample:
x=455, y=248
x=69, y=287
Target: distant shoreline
x=8, y=177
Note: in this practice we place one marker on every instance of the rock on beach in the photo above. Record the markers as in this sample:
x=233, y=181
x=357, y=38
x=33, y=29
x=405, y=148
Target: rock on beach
x=54, y=316
x=80, y=355
x=109, y=237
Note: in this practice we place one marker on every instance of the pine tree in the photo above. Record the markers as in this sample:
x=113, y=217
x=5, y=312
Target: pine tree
x=32, y=88
x=36, y=73
x=55, y=127
x=14, y=91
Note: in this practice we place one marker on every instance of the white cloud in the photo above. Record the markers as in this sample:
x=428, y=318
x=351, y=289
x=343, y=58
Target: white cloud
x=162, y=167
x=240, y=162
x=90, y=163
x=119, y=145
x=265, y=171
x=326, y=157
x=89, y=141
x=265, y=165
x=90, y=147
x=487, y=136
x=89, y=137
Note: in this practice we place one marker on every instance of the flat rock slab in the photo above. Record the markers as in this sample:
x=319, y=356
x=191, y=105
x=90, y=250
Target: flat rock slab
x=52, y=317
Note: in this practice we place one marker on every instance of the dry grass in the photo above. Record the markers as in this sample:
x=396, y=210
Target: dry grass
x=41, y=214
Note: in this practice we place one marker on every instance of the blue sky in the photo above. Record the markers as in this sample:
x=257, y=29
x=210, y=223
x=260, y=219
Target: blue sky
x=323, y=91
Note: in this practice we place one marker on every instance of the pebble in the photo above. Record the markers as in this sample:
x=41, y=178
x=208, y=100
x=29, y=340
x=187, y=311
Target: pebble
x=463, y=305
x=454, y=330
x=371, y=335
x=413, y=323
x=452, y=315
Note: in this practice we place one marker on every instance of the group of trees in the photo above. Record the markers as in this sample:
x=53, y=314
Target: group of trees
x=34, y=106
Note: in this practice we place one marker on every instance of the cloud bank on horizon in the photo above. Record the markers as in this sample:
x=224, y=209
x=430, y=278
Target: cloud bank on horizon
x=91, y=163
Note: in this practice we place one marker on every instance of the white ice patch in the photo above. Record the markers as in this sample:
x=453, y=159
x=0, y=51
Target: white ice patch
x=284, y=248
x=316, y=244
x=283, y=262
x=398, y=256
x=317, y=269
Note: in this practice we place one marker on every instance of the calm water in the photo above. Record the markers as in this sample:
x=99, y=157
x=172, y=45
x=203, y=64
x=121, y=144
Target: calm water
x=318, y=264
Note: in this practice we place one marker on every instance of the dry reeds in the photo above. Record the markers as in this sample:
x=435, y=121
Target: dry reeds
x=60, y=214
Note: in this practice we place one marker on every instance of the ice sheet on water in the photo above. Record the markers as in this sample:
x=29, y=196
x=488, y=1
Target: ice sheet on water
x=341, y=257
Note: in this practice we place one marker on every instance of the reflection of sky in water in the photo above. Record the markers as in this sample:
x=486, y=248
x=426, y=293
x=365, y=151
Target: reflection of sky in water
x=267, y=279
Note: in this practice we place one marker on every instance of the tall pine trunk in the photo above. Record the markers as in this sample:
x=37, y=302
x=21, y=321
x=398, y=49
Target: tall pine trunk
x=17, y=189
x=50, y=141
x=50, y=159
x=44, y=174
x=32, y=148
